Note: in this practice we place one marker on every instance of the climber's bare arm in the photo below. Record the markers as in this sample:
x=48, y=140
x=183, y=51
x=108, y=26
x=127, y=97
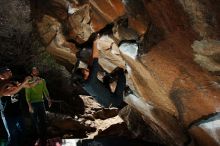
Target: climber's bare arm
x=95, y=51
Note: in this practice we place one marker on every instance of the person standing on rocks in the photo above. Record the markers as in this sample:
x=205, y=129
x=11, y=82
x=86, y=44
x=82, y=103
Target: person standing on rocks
x=10, y=107
x=7, y=89
x=86, y=75
x=34, y=97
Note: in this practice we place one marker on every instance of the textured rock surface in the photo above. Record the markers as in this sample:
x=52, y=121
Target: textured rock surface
x=167, y=128
x=201, y=137
x=96, y=121
x=15, y=34
x=138, y=126
x=60, y=125
x=52, y=36
x=204, y=16
x=180, y=42
x=206, y=132
x=105, y=12
x=184, y=83
x=207, y=54
x=92, y=16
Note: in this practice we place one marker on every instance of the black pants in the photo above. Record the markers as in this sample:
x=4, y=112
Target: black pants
x=117, y=96
x=16, y=129
x=39, y=119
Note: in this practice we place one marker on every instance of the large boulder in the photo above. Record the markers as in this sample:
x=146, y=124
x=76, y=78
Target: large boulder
x=172, y=76
x=182, y=81
x=204, y=17
x=92, y=17
x=51, y=33
x=207, y=131
x=207, y=54
x=162, y=124
x=105, y=120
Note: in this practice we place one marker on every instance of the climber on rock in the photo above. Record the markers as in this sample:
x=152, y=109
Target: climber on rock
x=86, y=75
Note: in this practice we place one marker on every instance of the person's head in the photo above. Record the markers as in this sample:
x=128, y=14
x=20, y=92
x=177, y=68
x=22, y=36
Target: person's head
x=35, y=71
x=85, y=73
x=83, y=70
x=5, y=73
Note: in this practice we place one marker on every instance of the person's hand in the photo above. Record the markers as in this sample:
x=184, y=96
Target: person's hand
x=26, y=82
x=17, y=83
x=9, y=91
x=97, y=38
x=49, y=102
x=95, y=51
x=31, y=109
x=28, y=78
x=2, y=77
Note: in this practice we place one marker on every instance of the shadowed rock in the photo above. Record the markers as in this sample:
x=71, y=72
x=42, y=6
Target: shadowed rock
x=167, y=77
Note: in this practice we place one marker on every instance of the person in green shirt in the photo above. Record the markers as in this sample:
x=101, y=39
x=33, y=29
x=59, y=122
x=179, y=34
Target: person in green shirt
x=35, y=100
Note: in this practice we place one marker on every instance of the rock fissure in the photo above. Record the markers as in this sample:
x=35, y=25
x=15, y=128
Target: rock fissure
x=203, y=119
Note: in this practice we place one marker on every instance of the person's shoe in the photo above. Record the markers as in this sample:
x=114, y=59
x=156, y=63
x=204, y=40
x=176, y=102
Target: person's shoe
x=108, y=78
x=117, y=71
x=127, y=91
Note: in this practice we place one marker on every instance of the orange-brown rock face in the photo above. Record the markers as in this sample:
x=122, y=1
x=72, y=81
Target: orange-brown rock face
x=92, y=17
x=176, y=80
x=105, y=12
x=183, y=81
x=205, y=138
